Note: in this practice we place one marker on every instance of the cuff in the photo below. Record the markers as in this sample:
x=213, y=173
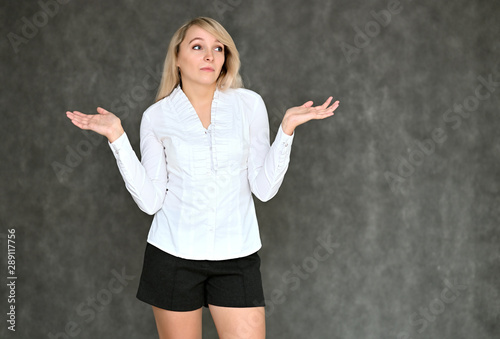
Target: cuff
x=120, y=144
x=284, y=147
x=284, y=139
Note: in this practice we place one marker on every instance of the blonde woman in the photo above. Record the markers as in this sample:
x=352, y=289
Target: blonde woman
x=205, y=149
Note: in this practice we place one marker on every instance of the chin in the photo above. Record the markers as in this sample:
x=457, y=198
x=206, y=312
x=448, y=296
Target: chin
x=208, y=82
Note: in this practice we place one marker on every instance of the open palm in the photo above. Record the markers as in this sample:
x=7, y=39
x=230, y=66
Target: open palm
x=296, y=116
x=104, y=123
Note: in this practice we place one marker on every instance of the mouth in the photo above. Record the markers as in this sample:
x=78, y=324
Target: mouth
x=207, y=69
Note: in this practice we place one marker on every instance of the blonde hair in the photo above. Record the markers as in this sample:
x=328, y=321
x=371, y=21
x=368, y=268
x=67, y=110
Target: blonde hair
x=229, y=76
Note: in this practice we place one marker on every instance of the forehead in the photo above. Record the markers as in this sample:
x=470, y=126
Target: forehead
x=198, y=32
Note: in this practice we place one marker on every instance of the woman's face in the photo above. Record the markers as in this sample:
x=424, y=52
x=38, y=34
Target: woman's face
x=200, y=57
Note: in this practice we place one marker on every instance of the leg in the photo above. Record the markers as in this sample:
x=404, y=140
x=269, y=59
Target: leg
x=239, y=322
x=178, y=325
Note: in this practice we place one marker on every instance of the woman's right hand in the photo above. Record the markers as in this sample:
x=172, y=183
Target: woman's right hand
x=104, y=123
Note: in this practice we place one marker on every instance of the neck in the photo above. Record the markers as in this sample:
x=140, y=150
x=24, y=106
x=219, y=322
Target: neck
x=199, y=94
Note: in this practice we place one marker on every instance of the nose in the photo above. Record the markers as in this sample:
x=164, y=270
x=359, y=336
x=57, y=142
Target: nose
x=209, y=56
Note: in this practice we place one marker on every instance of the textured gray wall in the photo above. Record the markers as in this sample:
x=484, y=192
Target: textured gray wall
x=387, y=223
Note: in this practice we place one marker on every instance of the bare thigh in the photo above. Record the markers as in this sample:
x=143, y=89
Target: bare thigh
x=239, y=322
x=178, y=325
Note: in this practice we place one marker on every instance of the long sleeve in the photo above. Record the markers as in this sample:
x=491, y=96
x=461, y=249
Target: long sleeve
x=199, y=182
x=146, y=180
x=267, y=165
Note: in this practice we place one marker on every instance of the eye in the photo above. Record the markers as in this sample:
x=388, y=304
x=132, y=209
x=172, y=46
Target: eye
x=196, y=47
x=220, y=48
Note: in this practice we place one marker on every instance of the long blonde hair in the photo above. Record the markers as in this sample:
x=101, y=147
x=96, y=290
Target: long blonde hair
x=229, y=76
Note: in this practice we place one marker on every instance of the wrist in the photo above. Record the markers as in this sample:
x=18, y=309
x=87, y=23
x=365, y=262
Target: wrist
x=115, y=133
x=287, y=127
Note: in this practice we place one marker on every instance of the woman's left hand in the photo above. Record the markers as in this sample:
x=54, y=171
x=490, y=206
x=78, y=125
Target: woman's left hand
x=296, y=116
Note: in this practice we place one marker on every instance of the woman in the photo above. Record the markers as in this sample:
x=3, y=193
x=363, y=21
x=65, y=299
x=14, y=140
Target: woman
x=205, y=149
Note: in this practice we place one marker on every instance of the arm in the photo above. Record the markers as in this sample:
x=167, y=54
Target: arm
x=267, y=165
x=147, y=180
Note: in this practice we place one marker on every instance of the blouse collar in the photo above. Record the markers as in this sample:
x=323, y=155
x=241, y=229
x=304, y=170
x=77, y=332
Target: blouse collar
x=181, y=102
x=185, y=111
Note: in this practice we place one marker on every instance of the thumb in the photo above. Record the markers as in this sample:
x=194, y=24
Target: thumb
x=101, y=110
x=307, y=104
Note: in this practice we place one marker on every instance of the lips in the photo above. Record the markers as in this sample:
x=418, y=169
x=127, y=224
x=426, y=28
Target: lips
x=207, y=69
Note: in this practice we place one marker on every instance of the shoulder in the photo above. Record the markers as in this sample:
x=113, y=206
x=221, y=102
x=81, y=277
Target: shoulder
x=244, y=95
x=154, y=110
x=248, y=94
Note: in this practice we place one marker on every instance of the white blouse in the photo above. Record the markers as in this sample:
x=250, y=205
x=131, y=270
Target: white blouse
x=198, y=182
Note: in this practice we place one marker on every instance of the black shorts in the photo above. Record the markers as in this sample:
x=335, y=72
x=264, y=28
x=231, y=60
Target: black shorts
x=178, y=284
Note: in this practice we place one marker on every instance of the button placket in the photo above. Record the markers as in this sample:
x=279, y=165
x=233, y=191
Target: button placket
x=213, y=164
x=208, y=134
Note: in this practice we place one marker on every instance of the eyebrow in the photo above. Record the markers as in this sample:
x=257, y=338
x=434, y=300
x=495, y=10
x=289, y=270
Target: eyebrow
x=197, y=38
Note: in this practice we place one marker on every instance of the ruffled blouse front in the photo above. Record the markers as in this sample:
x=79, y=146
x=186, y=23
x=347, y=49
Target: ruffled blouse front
x=198, y=182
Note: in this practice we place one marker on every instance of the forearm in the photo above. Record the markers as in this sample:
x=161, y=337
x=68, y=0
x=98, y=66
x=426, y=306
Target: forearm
x=267, y=177
x=147, y=192
x=287, y=125
x=115, y=131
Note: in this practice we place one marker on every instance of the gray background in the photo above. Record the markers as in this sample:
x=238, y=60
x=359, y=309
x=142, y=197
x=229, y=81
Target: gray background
x=397, y=249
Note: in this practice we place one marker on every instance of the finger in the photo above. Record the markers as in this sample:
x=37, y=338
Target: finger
x=80, y=121
x=79, y=124
x=328, y=111
x=307, y=104
x=76, y=114
x=327, y=102
x=101, y=110
x=336, y=103
x=323, y=115
x=73, y=117
x=318, y=111
x=334, y=106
